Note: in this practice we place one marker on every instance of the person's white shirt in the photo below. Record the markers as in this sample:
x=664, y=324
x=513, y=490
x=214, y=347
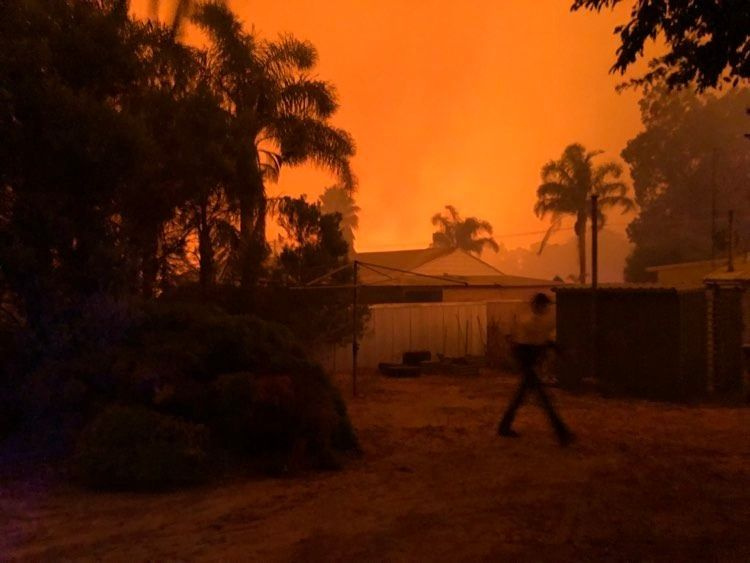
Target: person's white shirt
x=534, y=328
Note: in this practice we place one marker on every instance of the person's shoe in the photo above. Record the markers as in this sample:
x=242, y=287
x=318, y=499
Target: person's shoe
x=507, y=432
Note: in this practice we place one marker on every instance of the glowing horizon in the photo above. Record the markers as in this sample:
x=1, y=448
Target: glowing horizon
x=455, y=104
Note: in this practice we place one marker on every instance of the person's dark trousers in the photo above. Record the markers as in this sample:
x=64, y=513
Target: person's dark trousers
x=528, y=356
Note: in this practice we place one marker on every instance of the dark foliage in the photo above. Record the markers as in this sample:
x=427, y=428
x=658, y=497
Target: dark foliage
x=116, y=350
x=128, y=160
x=314, y=242
x=566, y=189
x=691, y=155
x=137, y=448
x=300, y=418
x=708, y=40
x=456, y=232
x=244, y=378
x=314, y=247
x=131, y=166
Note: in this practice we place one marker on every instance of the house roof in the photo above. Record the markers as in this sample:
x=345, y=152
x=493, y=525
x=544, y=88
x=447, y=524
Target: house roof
x=741, y=271
x=403, y=259
x=741, y=274
x=407, y=264
x=679, y=266
x=629, y=288
x=705, y=263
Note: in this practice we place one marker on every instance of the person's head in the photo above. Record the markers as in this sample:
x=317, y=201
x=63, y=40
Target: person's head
x=540, y=303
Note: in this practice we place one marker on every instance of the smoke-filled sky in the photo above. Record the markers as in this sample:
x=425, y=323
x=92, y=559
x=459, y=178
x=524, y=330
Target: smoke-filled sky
x=456, y=102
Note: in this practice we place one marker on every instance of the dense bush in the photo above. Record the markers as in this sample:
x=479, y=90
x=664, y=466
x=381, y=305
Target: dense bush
x=128, y=447
x=179, y=365
x=109, y=351
x=299, y=418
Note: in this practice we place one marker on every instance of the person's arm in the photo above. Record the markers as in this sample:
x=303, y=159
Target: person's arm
x=552, y=342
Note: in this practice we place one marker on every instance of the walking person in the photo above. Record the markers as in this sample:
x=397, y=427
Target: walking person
x=532, y=337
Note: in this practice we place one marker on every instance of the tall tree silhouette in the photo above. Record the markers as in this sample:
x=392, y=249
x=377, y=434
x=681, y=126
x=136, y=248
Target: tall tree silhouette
x=337, y=199
x=690, y=157
x=456, y=232
x=707, y=42
x=280, y=116
x=566, y=189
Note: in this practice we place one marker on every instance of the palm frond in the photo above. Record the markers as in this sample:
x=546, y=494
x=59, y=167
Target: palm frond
x=441, y=240
x=233, y=48
x=454, y=214
x=551, y=190
x=309, y=98
x=556, y=222
x=611, y=189
x=554, y=198
x=557, y=172
x=624, y=202
x=288, y=51
x=602, y=171
x=307, y=139
x=269, y=163
x=439, y=219
x=486, y=241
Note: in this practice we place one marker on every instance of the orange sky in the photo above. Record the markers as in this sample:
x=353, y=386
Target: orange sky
x=456, y=102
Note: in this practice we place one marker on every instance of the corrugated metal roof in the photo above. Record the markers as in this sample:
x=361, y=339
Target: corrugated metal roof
x=403, y=259
x=459, y=281
x=707, y=263
x=411, y=263
x=741, y=274
x=629, y=288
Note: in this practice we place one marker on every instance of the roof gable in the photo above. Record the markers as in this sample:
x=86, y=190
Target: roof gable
x=434, y=266
x=406, y=260
x=457, y=263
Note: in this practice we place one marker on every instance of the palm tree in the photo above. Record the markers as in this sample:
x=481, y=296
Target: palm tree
x=566, y=189
x=455, y=232
x=280, y=116
x=337, y=199
x=180, y=12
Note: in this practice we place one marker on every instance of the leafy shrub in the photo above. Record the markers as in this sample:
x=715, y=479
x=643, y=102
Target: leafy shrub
x=300, y=417
x=244, y=378
x=202, y=341
x=129, y=447
x=255, y=414
x=132, y=352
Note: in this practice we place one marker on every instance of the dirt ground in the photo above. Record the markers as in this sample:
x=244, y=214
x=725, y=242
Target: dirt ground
x=645, y=481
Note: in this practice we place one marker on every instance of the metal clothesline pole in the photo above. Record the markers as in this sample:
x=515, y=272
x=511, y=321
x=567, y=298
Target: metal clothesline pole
x=594, y=284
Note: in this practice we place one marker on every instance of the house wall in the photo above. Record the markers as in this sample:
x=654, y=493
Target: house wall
x=691, y=274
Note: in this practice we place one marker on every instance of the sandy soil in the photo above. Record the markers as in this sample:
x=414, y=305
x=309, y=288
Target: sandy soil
x=644, y=481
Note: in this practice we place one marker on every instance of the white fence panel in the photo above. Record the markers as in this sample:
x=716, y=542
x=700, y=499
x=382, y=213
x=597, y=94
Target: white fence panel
x=452, y=329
